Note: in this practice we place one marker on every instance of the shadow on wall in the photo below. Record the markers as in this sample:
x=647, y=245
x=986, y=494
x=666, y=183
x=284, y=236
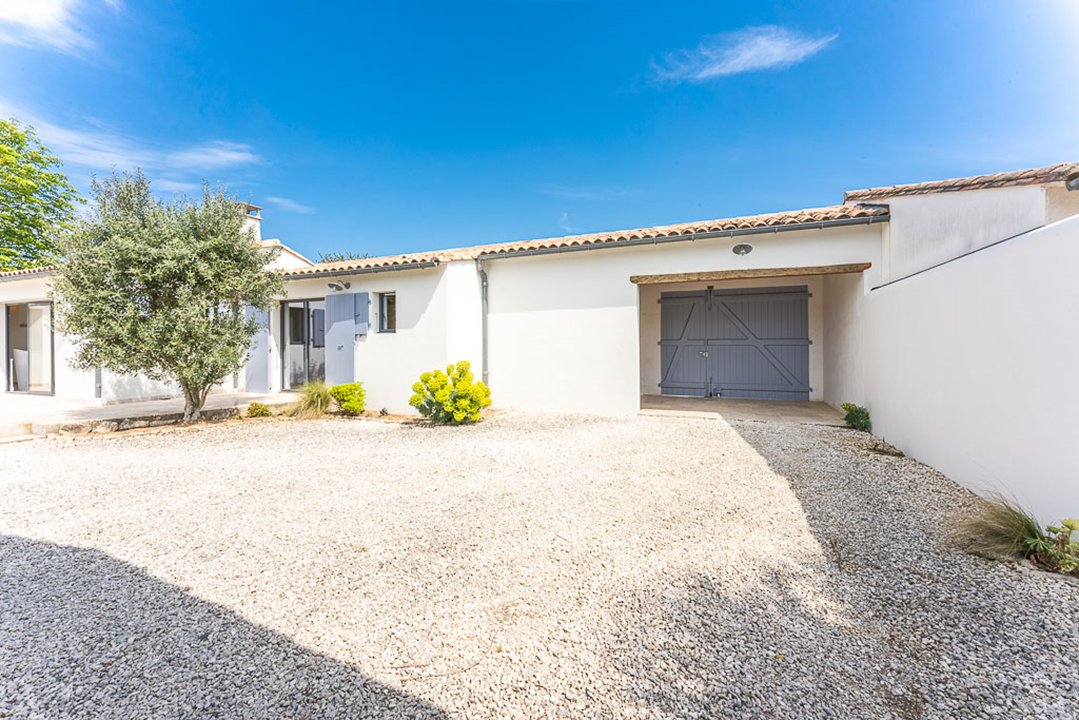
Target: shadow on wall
x=82, y=633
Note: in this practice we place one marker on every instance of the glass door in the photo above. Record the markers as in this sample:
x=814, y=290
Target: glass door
x=304, y=346
x=30, y=348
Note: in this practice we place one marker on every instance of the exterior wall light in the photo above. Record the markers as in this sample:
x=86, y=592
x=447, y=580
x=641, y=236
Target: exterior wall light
x=338, y=287
x=742, y=249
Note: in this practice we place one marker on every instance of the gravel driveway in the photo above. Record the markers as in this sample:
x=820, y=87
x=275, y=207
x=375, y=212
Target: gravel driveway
x=531, y=566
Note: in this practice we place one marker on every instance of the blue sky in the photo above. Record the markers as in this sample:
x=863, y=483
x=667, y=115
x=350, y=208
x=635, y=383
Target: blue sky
x=395, y=127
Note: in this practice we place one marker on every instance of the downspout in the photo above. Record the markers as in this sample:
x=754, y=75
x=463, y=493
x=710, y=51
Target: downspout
x=483, y=321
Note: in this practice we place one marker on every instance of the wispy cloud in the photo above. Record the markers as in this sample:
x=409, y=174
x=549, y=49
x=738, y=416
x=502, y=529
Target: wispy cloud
x=594, y=194
x=767, y=47
x=180, y=187
x=51, y=23
x=289, y=205
x=563, y=223
x=93, y=147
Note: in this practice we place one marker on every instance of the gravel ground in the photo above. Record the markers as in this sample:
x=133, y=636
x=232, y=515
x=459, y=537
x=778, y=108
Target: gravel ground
x=531, y=566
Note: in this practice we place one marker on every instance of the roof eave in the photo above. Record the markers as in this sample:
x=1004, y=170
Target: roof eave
x=302, y=275
x=689, y=237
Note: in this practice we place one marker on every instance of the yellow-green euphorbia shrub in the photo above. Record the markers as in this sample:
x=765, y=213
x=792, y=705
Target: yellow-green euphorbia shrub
x=454, y=396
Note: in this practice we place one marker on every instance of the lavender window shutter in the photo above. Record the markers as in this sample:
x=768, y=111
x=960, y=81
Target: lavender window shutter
x=362, y=313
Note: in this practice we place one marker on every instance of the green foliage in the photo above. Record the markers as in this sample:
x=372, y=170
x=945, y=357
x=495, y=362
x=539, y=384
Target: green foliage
x=313, y=402
x=160, y=288
x=452, y=397
x=349, y=397
x=857, y=417
x=1001, y=528
x=328, y=257
x=257, y=409
x=36, y=200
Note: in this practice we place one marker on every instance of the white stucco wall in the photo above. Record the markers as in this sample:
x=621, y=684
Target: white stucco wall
x=968, y=368
x=1060, y=203
x=388, y=363
x=928, y=229
x=844, y=367
x=571, y=321
x=651, y=369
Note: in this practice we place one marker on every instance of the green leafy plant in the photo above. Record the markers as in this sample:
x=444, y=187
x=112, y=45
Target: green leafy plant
x=857, y=417
x=37, y=203
x=160, y=289
x=452, y=397
x=313, y=402
x=1000, y=528
x=349, y=397
x=257, y=409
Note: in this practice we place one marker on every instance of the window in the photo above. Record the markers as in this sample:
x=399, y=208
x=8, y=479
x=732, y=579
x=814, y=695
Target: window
x=295, y=325
x=387, y=312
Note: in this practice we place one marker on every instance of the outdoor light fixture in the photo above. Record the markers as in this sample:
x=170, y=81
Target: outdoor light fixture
x=742, y=249
x=1072, y=183
x=338, y=287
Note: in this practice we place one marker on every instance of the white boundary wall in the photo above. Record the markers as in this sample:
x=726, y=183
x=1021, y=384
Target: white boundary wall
x=968, y=368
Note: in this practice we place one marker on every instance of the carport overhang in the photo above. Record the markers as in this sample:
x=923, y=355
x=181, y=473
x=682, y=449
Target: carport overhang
x=749, y=273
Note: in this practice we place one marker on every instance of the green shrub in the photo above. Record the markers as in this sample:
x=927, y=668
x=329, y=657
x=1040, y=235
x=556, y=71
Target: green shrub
x=857, y=417
x=313, y=402
x=257, y=409
x=1001, y=528
x=452, y=397
x=349, y=397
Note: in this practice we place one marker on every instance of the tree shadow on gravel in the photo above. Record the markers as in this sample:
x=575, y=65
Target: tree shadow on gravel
x=698, y=649
x=83, y=634
x=954, y=635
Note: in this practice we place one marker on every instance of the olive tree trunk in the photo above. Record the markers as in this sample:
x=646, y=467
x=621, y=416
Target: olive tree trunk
x=194, y=399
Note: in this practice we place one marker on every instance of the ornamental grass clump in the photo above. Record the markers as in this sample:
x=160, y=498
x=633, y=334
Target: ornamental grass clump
x=349, y=397
x=452, y=397
x=313, y=402
x=1002, y=529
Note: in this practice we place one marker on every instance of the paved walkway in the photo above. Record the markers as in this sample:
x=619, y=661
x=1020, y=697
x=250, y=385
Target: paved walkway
x=22, y=414
x=793, y=411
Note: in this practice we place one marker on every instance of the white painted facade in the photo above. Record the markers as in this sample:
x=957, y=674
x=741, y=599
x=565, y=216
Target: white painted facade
x=956, y=337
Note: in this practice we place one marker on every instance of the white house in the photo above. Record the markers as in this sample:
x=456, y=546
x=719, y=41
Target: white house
x=948, y=308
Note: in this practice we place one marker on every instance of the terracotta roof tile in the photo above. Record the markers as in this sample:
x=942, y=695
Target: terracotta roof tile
x=1033, y=176
x=27, y=272
x=791, y=219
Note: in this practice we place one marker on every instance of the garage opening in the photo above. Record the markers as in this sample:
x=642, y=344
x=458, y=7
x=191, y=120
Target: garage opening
x=736, y=343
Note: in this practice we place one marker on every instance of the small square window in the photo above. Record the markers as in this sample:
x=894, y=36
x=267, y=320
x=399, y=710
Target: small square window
x=387, y=312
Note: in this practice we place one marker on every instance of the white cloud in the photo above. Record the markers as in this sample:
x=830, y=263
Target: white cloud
x=52, y=23
x=180, y=187
x=214, y=154
x=93, y=147
x=768, y=47
x=563, y=224
x=289, y=205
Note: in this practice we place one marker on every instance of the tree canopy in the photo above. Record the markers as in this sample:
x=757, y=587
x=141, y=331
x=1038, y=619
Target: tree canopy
x=341, y=255
x=36, y=201
x=161, y=288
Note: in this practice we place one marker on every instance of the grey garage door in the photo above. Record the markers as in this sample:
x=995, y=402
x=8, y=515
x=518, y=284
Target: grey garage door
x=736, y=343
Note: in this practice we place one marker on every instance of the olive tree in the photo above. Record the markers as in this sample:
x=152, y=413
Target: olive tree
x=160, y=288
x=36, y=200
